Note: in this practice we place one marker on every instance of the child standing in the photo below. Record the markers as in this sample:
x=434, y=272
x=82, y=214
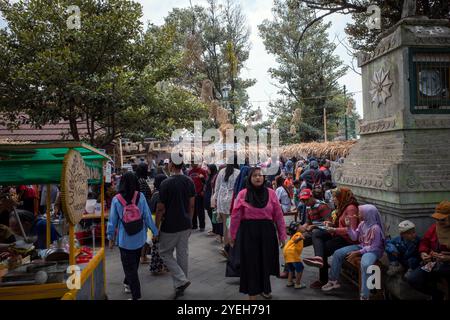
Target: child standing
x=403, y=251
x=292, y=256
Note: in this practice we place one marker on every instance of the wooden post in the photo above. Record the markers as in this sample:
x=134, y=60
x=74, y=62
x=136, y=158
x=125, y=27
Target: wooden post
x=325, y=124
x=49, y=221
x=72, y=244
x=102, y=200
x=121, y=153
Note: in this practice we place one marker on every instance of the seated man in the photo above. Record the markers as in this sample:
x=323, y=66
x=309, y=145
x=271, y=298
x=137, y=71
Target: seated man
x=434, y=251
x=34, y=227
x=403, y=251
x=317, y=212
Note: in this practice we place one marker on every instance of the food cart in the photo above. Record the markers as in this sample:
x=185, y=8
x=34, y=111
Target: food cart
x=73, y=165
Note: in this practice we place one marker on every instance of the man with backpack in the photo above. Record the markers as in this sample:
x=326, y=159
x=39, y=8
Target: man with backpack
x=174, y=214
x=313, y=176
x=131, y=215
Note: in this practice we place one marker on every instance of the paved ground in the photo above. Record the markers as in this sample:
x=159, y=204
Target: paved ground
x=207, y=274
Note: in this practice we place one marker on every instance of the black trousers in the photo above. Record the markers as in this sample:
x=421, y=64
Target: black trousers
x=199, y=213
x=324, y=246
x=130, y=263
x=217, y=228
x=426, y=282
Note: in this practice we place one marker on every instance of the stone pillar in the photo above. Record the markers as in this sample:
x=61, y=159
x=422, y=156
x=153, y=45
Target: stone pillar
x=401, y=163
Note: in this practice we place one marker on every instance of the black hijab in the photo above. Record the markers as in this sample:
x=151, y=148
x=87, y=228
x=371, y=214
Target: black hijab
x=213, y=170
x=256, y=196
x=129, y=184
x=142, y=171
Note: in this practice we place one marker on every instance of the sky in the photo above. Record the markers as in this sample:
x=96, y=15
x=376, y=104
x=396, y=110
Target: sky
x=260, y=61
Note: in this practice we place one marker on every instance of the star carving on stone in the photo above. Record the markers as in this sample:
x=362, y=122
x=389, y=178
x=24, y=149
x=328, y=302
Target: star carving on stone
x=380, y=87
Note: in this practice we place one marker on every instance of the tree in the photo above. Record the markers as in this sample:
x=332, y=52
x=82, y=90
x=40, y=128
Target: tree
x=361, y=38
x=50, y=72
x=216, y=42
x=308, y=76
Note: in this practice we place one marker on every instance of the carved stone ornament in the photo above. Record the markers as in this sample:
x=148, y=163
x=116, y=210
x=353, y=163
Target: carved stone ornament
x=380, y=87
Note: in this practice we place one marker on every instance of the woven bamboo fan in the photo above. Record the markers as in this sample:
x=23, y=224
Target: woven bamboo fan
x=74, y=186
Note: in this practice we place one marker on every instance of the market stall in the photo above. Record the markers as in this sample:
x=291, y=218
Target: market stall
x=75, y=166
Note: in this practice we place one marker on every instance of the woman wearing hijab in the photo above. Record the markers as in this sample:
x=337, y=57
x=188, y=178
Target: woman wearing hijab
x=326, y=242
x=370, y=237
x=434, y=251
x=209, y=188
x=130, y=245
x=255, y=214
x=157, y=265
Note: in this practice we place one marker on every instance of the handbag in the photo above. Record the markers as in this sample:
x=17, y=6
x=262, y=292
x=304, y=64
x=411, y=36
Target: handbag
x=233, y=268
x=216, y=218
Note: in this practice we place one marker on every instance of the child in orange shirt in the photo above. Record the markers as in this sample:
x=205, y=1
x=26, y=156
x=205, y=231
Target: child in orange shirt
x=292, y=256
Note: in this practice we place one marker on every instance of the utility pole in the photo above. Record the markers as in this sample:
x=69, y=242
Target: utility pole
x=346, y=121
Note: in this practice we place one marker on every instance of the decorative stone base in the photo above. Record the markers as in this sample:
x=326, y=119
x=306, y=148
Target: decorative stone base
x=405, y=173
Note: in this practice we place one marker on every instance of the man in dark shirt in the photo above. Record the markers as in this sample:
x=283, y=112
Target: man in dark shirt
x=176, y=209
x=198, y=176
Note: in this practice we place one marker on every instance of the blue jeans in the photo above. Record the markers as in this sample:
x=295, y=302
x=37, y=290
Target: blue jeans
x=367, y=260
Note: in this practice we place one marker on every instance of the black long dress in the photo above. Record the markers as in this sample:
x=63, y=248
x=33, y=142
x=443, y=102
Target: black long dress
x=259, y=256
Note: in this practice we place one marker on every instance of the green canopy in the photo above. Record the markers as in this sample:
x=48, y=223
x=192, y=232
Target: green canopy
x=42, y=163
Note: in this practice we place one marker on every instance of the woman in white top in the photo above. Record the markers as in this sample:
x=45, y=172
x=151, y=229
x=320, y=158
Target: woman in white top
x=223, y=194
x=283, y=195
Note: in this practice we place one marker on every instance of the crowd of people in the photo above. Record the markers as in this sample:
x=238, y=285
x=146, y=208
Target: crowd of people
x=248, y=210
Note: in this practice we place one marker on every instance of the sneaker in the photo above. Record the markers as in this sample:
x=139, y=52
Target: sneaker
x=126, y=288
x=290, y=284
x=363, y=298
x=314, y=262
x=317, y=284
x=300, y=286
x=224, y=253
x=267, y=296
x=184, y=286
x=180, y=290
x=331, y=285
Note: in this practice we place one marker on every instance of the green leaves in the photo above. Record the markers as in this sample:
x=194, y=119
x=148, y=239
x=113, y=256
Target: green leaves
x=308, y=75
x=105, y=73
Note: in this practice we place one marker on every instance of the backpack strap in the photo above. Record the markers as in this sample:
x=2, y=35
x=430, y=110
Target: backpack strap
x=121, y=200
x=133, y=201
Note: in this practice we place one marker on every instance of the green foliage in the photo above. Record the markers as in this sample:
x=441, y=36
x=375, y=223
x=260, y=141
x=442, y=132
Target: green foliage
x=308, y=75
x=216, y=43
x=102, y=73
x=363, y=39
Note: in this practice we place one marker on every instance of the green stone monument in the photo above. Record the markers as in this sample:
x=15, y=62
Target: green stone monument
x=401, y=163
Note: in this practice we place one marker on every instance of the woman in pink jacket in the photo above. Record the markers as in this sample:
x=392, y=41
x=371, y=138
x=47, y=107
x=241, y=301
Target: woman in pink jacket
x=335, y=236
x=255, y=219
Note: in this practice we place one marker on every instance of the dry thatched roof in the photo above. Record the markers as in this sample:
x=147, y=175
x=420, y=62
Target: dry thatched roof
x=330, y=150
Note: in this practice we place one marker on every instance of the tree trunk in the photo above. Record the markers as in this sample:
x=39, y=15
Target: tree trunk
x=73, y=124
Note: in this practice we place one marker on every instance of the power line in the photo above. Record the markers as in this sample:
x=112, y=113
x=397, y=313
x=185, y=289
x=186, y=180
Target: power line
x=307, y=98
